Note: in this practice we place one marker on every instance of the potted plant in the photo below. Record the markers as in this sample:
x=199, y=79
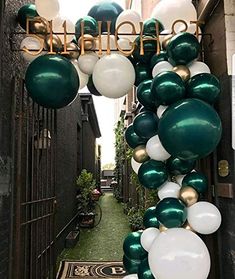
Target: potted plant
x=135, y=218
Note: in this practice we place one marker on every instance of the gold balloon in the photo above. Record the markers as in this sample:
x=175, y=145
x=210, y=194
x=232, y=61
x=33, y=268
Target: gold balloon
x=56, y=42
x=73, y=50
x=182, y=71
x=162, y=228
x=89, y=42
x=188, y=195
x=139, y=154
x=188, y=227
x=40, y=27
x=166, y=40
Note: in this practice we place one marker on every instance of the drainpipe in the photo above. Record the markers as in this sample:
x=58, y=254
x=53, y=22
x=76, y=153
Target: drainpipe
x=205, y=8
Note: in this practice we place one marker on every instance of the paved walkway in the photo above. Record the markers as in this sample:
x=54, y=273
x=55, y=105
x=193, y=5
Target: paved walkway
x=103, y=243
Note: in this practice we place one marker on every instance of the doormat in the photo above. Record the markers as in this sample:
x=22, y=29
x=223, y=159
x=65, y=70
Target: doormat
x=91, y=270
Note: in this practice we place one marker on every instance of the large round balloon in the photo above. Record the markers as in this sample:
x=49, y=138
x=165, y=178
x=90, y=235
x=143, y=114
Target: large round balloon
x=149, y=46
x=144, y=271
x=87, y=62
x=197, y=180
x=204, y=217
x=91, y=87
x=83, y=78
x=132, y=247
x=171, y=212
x=152, y=174
x=180, y=254
x=114, y=76
x=148, y=236
x=26, y=11
x=150, y=219
x=106, y=11
x=48, y=9
x=145, y=124
x=131, y=266
x=190, y=129
x=205, y=87
x=150, y=26
x=144, y=95
x=155, y=149
x=52, y=81
x=169, y=190
x=167, y=88
x=132, y=139
x=90, y=26
x=177, y=166
x=183, y=48
x=142, y=73
x=156, y=58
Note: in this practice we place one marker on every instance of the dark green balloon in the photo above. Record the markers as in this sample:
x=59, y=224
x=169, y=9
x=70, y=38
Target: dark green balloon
x=156, y=58
x=205, y=87
x=144, y=271
x=132, y=247
x=52, y=81
x=183, y=48
x=28, y=10
x=132, y=139
x=90, y=26
x=142, y=73
x=144, y=95
x=167, y=88
x=177, y=166
x=196, y=180
x=131, y=266
x=150, y=26
x=150, y=48
x=171, y=212
x=91, y=87
x=106, y=11
x=146, y=124
x=150, y=220
x=152, y=174
x=190, y=129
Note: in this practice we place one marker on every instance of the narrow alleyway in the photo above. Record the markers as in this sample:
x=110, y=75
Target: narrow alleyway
x=104, y=242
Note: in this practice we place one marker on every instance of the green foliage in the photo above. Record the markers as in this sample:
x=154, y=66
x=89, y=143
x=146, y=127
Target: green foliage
x=135, y=218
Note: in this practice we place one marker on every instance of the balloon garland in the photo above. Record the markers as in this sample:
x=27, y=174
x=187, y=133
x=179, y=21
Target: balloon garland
x=177, y=125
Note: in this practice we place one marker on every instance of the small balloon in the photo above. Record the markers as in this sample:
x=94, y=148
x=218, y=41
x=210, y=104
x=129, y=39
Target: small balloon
x=87, y=62
x=160, y=67
x=160, y=110
x=156, y=58
x=144, y=271
x=139, y=154
x=177, y=166
x=179, y=178
x=149, y=46
x=196, y=180
x=132, y=139
x=150, y=219
x=33, y=44
x=162, y=228
x=150, y=27
x=148, y=236
x=47, y=9
x=155, y=150
x=166, y=40
x=87, y=41
x=188, y=195
x=73, y=51
x=144, y=95
x=40, y=27
x=182, y=71
x=142, y=73
x=198, y=67
x=58, y=27
x=56, y=42
x=135, y=165
x=26, y=11
x=169, y=190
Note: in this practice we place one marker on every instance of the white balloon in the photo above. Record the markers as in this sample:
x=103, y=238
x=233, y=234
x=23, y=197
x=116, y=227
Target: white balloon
x=180, y=254
x=131, y=276
x=148, y=236
x=191, y=29
x=161, y=67
x=33, y=45
x=104, y=44
x=167, y=12
x=132, y=16
x=135, y=165
x=114, y=76
x=155, y=150
x=198, y=67
x=169, y=190
x=47, y=9
x=179, y=178
x=160, y=110
x=204, y=217
x=83, y=78
x=87, y=62
x=124, y=44
x=57, y=27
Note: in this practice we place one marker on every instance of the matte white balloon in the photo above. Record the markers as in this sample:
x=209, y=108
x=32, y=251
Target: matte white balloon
x=57, y=27
x=169, y=190
x=32, y=44
x=83, y=78
x=179, y=178
x=198, y=67
x=160, y=67
x=114, y=76
x=131, y=276
x=135, y=165
x=155, y=150
x=87, y=62
x=148, y=236
x=180, y=254
x=49, y=9
x=124, y=44
x=204, y=217
x=160, y=110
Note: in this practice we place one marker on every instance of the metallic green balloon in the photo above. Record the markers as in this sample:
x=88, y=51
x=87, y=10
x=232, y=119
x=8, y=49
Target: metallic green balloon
x=142, y=73
x=144, y=95
x=177, y=166
x=90, y=26
x=150, y=26
x=106, y=11
x=171, y=212
x=132, y=139
x=190, y=129
x=52, y=81
x=131, y=266
x=150, y=220
x=144, y=271
x=196, y=180
x=152, y=174
x=204, y=86
x=167, y=88
x=150, y=48
x=183, y=48
x=132, y=247
x=156, y=58
x=146, y=124
x=28, y=10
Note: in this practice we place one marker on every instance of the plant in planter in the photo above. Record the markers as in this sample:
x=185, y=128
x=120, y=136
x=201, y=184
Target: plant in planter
x=135, y=217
